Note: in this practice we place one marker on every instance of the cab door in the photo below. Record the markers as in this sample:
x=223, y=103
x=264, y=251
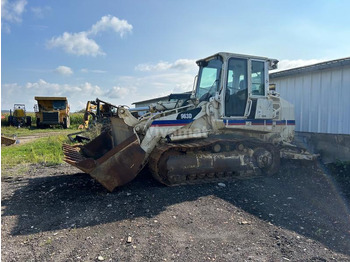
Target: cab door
x=236, y=87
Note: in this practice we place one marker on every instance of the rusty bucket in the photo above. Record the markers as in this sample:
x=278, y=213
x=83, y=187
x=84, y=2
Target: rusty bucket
x=110, y=166
x=7, y=141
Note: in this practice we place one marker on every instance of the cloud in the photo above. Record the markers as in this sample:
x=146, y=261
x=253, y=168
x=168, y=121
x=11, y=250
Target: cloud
x=120, y=92
x=188, y=65
x=76, y=44
x=57, y=89
x=163, y=78
x=93, y=90
x=38, y=27
x=81, y=43
x=43, y=86
x=289, y=64
x=155, y=85
x=113, y=23
x=176, y=77
x=11, y=12
x=77, y=95
x=40, y=12
x=180, y=64
x=10, y=89
x=153, y=67
x=96, y=71
x=64, y=70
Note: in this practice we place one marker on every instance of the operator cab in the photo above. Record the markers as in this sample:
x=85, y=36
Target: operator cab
x=238, y=80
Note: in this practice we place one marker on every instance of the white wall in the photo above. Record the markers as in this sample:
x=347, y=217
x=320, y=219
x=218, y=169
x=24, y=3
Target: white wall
x=321, y=99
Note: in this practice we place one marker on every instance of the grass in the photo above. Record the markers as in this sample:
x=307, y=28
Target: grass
x=46, y=150
x=23, y=131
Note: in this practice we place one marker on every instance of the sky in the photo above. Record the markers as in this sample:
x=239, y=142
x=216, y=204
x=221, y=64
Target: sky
x=128, y=51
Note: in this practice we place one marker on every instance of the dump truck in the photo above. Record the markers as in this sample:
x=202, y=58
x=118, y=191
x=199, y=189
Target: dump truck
x=52, y=111
x=231, y=126
x=18, y=117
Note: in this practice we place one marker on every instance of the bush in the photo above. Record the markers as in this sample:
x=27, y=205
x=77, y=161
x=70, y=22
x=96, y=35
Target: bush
x=76, y=119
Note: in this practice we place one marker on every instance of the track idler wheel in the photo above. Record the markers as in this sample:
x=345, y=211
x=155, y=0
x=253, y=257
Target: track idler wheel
x=268, y=159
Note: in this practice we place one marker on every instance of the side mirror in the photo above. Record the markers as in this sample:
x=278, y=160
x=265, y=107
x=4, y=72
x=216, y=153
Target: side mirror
x=193, y=94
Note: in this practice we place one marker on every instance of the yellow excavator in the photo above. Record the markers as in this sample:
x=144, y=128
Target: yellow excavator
x=97, y=111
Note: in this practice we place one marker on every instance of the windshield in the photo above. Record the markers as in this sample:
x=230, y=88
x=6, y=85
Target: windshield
x=208, y=78
x=59, y=104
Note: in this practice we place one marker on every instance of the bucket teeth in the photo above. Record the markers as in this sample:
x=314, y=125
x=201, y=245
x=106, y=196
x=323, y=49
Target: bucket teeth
x=71, y=154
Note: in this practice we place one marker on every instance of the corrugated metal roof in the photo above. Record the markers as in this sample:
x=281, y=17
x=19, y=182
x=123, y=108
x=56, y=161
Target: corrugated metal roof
x=151, y=100
x=158, y=98
x=320, y=66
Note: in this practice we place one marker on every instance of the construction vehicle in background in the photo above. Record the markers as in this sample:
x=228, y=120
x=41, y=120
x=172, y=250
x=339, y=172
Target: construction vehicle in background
x=96, y=116
x=230, y=126
x=97, y=111
x=52, y=111
x=18, y=117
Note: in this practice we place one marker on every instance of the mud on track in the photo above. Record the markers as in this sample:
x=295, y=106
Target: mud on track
x=59, y=214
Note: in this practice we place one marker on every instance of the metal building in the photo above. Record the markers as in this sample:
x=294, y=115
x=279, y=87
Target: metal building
x=320, y=94
x=144, y=103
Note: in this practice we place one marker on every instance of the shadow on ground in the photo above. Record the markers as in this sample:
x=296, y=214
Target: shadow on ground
x=303, y=200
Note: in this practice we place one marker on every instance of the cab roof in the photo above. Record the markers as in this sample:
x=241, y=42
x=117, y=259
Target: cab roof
x=49, y=98
x=227, y=55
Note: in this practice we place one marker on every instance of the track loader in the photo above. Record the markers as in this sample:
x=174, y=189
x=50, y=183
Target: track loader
x=230, y=126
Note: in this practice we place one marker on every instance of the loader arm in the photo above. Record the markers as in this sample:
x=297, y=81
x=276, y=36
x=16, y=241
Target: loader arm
x=115, y=157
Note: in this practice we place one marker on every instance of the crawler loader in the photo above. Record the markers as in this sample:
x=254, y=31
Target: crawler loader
x=230, y=126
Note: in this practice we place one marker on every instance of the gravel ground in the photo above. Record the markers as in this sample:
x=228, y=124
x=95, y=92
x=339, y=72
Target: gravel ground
x=59, y=214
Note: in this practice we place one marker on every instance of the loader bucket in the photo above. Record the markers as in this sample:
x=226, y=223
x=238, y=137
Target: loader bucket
x=7, y=141
x=111, y=166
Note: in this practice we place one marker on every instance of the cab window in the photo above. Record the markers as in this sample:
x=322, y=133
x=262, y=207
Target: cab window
x=258, y=78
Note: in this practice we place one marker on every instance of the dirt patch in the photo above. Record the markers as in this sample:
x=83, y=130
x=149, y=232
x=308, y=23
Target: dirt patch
x=59, y=214
x=341, y=174
x=30, y=138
